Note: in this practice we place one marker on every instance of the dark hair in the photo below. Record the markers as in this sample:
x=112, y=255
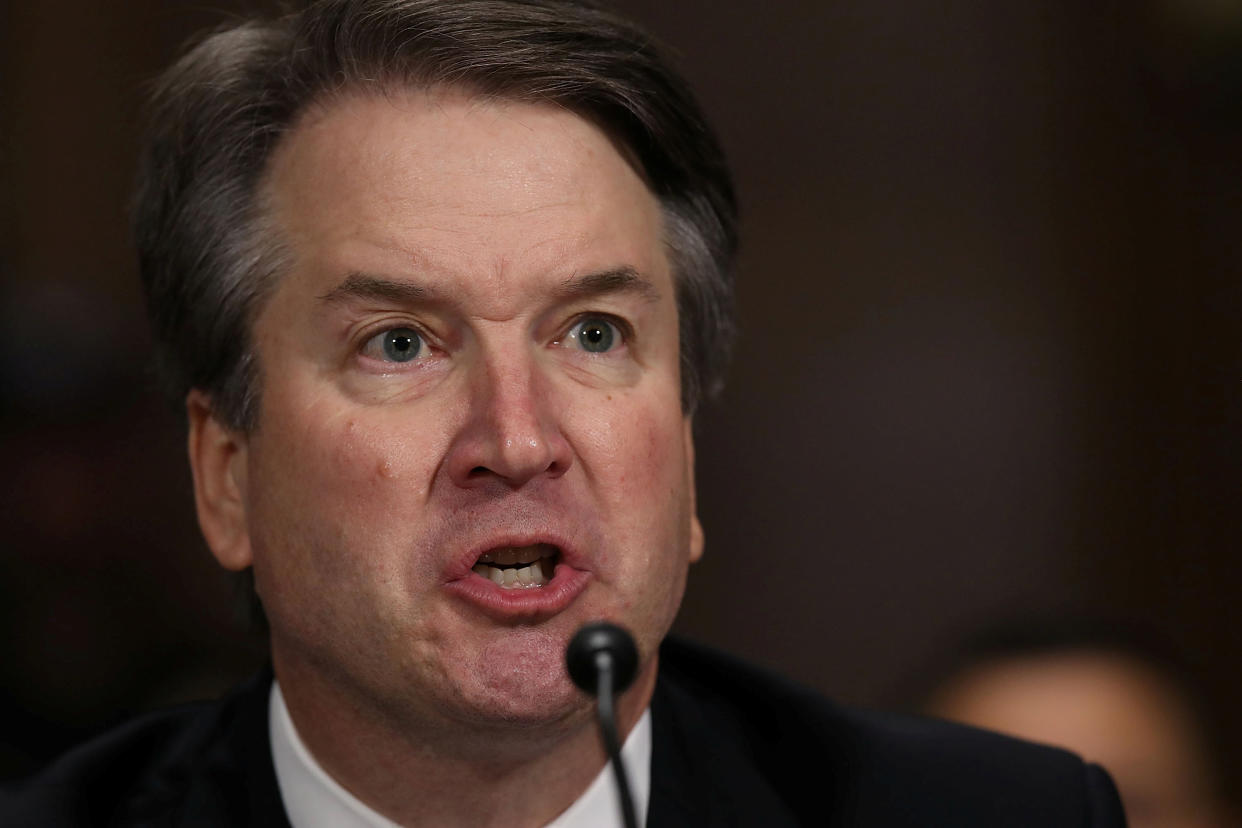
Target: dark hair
x=206, y=253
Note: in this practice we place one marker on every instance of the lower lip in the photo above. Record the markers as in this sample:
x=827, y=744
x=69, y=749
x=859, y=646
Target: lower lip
x=522, y=603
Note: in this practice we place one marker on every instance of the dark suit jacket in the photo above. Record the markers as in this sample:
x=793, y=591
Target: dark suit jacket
x=732, y=746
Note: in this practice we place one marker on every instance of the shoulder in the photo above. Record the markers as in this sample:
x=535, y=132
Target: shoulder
x=870, y=768
x=155, y=769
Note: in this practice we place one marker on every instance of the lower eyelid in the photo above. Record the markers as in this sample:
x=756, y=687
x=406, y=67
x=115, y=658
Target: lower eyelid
x=411, y=371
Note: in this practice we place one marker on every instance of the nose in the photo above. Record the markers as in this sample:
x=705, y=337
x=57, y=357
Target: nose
x=512, y=432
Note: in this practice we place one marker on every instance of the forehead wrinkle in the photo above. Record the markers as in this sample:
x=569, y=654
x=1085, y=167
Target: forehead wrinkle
x=521, y=211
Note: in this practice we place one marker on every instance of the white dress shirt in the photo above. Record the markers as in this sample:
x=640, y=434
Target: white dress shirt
x=313, y=799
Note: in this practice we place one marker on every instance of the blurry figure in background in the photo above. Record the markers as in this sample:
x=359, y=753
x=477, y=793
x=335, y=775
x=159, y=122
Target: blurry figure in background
x=1116, y=698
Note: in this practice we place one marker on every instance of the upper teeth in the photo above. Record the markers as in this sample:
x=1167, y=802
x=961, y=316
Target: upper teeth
x=516, y=554
x=515, y=567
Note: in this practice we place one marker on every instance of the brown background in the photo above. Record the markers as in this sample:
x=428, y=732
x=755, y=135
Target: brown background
x=990, y=359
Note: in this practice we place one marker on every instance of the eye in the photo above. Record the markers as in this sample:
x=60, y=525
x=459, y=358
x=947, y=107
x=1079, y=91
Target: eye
x=595, y=334
x=394, y=345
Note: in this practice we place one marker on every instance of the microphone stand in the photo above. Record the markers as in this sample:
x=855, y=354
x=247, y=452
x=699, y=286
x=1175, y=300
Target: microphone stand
x=603, y=660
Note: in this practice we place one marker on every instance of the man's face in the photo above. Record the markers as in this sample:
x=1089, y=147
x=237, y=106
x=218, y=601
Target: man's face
x=469, y=375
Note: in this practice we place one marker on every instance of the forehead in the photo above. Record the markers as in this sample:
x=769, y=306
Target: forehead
x=453, y=183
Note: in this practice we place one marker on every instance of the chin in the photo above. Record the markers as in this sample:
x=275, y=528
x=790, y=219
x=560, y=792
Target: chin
x=542, y=709
x=521, y=680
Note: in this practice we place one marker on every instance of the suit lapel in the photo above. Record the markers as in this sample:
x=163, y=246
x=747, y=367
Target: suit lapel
x=236, y=782
x=701, y=771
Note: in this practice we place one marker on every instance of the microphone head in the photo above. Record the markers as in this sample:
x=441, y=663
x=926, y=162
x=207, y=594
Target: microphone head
x=597, y=640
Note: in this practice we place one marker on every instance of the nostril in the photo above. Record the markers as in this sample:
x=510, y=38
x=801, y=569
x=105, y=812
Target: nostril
x=491, y=447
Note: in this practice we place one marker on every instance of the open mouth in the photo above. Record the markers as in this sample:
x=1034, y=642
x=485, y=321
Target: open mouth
x=518, y=567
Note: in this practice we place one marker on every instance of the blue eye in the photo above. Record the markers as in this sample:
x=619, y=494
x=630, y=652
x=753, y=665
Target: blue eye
x=395, y=345
x=594, y=334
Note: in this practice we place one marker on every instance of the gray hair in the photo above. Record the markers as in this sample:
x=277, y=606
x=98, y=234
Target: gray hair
x=207, y=255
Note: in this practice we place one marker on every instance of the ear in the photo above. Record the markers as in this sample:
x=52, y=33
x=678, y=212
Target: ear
x=218, y=462
x=696, y=528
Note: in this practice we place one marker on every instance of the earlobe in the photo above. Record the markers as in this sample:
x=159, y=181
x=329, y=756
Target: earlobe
x=218, y=463
x=696, y=528
x=696, y=539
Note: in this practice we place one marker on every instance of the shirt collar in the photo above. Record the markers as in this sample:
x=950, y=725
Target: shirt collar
x=313, y=799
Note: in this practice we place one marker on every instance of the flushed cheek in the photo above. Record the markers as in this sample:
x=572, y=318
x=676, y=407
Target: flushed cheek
x=384, y=460
x=640, y=457
x=365, y=461
x=642, y=481
x=335, y=489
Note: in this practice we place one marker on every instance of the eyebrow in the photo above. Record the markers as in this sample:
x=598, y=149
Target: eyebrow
x=365, y=286
x=618, y=280
x=624, y=279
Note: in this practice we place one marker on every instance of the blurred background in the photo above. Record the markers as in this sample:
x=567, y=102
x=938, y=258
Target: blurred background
x=990, y=360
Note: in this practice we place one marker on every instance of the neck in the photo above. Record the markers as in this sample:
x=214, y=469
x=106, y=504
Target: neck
x=422, y=773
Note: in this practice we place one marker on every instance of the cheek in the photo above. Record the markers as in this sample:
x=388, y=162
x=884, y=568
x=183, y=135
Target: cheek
x=638, y=464
x=647, y=494
x=329, y=487
x=637, y=455
x=353, y=457
x=337, y=500
x=376, y=462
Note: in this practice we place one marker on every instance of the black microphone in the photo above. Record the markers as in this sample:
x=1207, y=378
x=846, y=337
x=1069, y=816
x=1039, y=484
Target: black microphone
x=603, y=660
